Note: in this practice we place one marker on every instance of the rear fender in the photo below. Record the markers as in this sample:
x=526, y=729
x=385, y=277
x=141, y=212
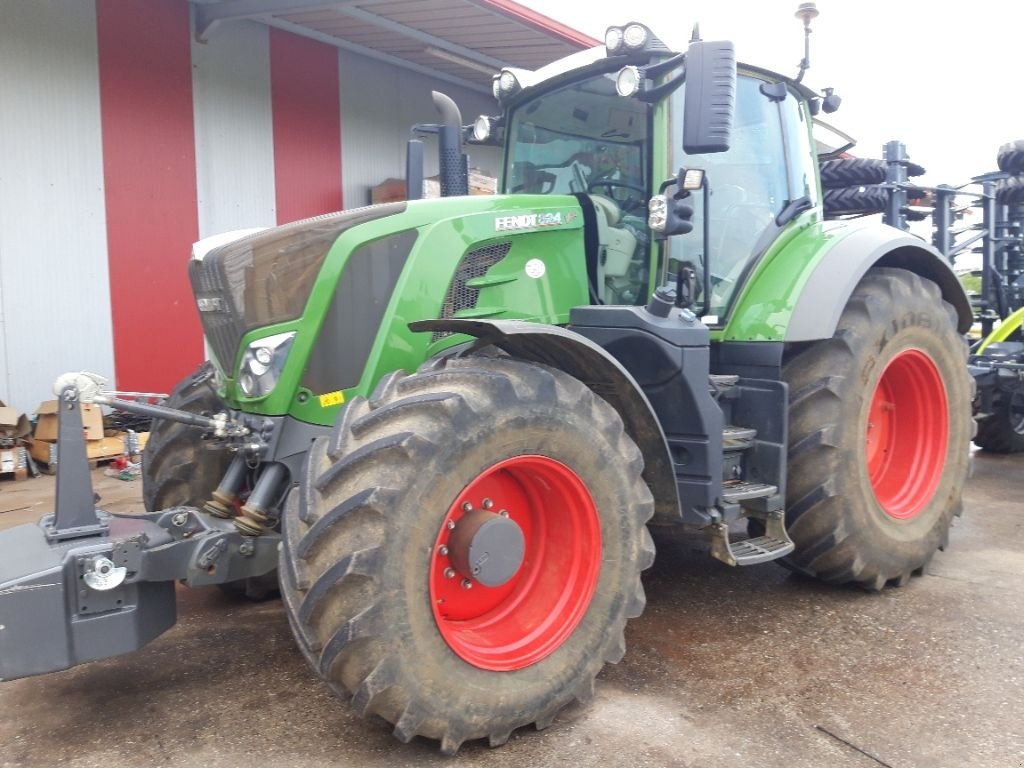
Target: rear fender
x=798, y=291
x=593, y=366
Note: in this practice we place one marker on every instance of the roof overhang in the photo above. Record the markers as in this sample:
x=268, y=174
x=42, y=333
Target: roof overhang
x=459, y=41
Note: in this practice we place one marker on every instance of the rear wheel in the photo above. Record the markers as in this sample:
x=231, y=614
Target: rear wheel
x=464, y=551
x=880, y=427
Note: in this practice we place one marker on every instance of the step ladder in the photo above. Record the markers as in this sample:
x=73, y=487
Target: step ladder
x=758, y=500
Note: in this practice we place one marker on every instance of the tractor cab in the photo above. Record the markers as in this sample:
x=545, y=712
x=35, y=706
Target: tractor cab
x=609, y=126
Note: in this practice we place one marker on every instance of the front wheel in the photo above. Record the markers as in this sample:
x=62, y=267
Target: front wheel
x=880, y=428
x=464, y=551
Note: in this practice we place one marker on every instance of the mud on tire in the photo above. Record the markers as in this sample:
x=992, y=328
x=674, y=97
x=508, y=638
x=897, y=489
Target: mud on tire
x=873, y=484
x=362, y=548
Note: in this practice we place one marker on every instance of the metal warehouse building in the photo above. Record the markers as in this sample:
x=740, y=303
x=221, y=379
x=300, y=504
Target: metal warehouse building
x=129, y=129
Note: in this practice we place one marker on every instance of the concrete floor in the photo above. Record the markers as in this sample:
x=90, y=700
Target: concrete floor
x=727, y=667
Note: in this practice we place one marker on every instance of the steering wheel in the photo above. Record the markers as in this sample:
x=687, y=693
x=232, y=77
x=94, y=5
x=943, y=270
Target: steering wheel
x=626, y=201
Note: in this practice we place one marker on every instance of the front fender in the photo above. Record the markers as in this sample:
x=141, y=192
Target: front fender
x=599, y=371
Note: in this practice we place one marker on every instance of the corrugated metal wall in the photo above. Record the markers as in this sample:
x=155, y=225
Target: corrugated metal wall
x=59, y=219
x=234, y=140
x=54, y=280
x=379, y=104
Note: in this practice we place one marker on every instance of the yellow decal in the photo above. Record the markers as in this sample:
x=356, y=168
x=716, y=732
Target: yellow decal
x=332, y=398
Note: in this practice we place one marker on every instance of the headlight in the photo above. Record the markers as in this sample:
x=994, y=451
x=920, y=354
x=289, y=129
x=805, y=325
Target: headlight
x=613, y=40
x=262, y=363
x=631, y=39
x=657, y=213
x=482, y=128
x=627, y=82
x=507, y=83
x=635, y=36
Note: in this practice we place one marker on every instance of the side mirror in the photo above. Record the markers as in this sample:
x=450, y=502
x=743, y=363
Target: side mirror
x=710, y=98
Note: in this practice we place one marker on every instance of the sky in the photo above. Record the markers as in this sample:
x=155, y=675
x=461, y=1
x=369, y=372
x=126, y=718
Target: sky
x=944, y=78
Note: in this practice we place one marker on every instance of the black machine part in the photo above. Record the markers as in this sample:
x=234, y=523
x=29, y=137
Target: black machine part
x=83, y=584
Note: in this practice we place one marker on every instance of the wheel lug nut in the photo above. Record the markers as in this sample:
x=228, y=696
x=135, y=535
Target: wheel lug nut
x=504, y=513
x=449, y=573
x=467, y=507
x=488, y=503
x=467, y=584
x=450, y=524
x=443, y=550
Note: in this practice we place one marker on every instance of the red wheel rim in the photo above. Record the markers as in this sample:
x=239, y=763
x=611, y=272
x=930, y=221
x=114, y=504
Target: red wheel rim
x=907, y=434
x=520, y=622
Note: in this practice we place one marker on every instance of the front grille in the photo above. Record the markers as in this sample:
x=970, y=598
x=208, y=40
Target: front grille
x=473, y=265
x=223, y=328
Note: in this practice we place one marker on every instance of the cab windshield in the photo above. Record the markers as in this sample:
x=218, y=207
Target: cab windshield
x=583, y=138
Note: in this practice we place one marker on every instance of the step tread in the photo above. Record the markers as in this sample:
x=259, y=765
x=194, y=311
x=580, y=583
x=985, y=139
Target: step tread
x=733, y=432
x=759, y=550
x=741, y=490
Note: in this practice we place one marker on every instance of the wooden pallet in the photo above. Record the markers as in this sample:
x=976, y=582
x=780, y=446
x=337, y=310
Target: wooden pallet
x=98, y=452
x=10, y=459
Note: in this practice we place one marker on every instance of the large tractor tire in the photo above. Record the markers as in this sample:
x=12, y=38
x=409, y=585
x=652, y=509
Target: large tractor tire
x=424, y=499
x=1003, y=430
x=176, y=469
x=879, y=435
x=865, y=200
x=1011, y=157
x=856, y=171
x=1010, y=191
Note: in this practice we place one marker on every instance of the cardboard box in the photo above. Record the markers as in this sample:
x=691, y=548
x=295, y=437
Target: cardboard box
x=12, y=460
x=393, y=190
x=96, y=450
x=12, y=424
x=46, y=427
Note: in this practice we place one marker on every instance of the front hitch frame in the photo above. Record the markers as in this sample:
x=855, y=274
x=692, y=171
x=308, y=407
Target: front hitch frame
x=84, y=584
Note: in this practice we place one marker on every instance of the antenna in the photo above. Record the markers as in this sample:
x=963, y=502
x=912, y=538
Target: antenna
x=806, y=12
x=695, y=35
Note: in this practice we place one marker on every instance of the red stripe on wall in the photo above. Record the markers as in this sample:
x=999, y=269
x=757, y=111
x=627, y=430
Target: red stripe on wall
x=307, y=126
x=149, y=170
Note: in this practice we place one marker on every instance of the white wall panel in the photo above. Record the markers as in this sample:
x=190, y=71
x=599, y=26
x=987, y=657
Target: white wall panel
x=234, y=130
x=54, y=281
x=379, y=104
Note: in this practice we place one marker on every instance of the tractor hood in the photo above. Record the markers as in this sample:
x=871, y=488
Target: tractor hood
x=265, y=278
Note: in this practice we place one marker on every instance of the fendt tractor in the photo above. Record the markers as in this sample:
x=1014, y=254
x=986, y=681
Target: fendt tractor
x=449, y=424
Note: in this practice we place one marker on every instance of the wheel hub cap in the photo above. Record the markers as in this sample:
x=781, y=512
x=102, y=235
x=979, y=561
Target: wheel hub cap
x=487, y=547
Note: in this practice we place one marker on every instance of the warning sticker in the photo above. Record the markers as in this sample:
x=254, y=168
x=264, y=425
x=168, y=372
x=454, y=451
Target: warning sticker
x=332, y=398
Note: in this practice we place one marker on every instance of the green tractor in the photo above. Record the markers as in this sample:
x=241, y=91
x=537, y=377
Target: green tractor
x=457, y=419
